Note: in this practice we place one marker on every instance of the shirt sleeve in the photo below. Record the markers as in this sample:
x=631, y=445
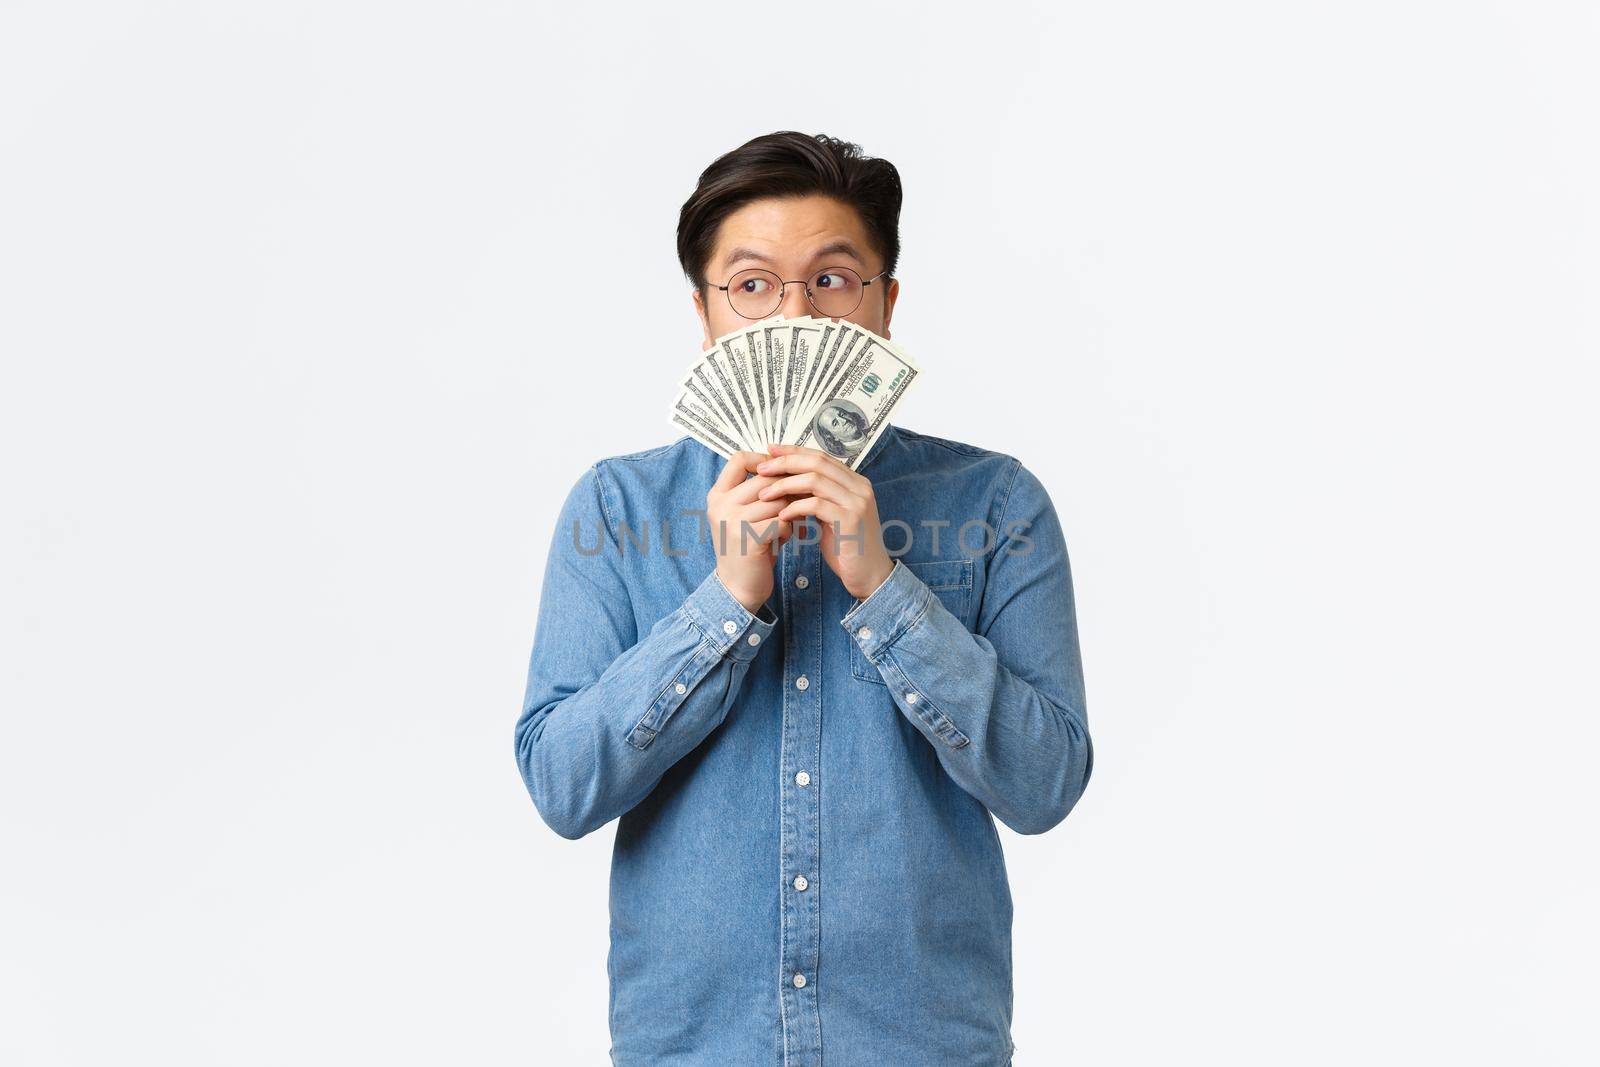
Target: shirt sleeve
x=606, y=712
x=1003, y=704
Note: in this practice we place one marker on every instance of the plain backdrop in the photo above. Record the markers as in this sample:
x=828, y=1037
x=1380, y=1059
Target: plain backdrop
x=311, y=313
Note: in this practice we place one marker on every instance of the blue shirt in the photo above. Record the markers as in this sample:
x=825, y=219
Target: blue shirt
x=806, y=869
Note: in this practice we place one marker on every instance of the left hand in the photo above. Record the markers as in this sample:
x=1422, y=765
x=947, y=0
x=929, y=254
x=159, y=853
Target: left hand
x=843, y=504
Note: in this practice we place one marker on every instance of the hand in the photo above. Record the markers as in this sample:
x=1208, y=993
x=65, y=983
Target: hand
x=745, y=558
x=843, y=502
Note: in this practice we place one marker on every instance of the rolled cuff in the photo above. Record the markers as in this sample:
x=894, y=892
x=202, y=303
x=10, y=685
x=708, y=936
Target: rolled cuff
x=888, y=612
x=726, y=623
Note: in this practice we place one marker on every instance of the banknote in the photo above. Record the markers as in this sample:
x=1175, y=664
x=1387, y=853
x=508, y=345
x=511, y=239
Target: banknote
x=820, y=383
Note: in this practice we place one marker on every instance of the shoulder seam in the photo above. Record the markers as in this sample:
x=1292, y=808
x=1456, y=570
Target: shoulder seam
x=1011, y=483
x=605, y=506
x=646, y=453
x=962, y=447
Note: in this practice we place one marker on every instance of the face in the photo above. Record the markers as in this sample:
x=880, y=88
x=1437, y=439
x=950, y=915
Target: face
x=793, y=238
x=835, y=422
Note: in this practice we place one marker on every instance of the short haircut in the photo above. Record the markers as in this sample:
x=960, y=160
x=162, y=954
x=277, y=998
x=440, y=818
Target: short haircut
x=790, y=164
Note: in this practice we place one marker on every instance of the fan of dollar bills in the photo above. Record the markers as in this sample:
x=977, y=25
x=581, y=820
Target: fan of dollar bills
x=820, y=383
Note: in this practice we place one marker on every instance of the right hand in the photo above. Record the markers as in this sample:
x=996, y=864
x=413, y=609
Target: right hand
x=744, y=562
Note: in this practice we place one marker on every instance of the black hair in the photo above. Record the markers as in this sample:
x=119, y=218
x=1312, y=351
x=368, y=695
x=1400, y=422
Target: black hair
x=790, y=164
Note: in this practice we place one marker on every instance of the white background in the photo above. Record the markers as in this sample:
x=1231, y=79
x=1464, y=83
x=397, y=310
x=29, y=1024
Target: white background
x=311, y=312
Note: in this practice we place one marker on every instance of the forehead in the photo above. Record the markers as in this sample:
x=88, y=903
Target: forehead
x=791, y=230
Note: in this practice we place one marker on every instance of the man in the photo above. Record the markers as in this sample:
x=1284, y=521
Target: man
x=805, y=736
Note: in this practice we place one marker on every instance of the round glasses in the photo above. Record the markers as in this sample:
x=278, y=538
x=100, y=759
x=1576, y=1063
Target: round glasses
x=834, y=291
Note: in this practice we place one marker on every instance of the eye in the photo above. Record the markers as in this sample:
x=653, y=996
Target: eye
x=753, y=282
x=834, y=281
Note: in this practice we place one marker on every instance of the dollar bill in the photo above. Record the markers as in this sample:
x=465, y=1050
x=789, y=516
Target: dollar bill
x=852, y=407
x=818, y=383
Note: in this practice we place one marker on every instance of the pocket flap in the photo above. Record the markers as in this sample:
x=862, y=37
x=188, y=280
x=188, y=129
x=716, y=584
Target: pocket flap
x=944, y=573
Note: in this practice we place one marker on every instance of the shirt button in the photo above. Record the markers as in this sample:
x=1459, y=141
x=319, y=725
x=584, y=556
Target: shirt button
x=801, y=581
x=799, y=981
x=729, y=626
x=801, y=682
x=754, y=639
x=800, y=881
x=680, y=687
x=864, y=633
x=911, y=698
x=802, y=778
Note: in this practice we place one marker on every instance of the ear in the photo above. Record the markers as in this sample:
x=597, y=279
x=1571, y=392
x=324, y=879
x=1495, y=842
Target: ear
x=705, y=323
x=890, y=295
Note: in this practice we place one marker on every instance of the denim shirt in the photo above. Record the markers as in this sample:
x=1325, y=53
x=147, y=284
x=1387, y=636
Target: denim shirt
x=806, y=869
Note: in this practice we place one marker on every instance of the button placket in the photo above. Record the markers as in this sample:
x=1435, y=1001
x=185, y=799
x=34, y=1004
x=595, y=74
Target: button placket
x=800, y=934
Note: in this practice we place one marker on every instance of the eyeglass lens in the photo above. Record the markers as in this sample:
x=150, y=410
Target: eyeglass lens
x=756, y=294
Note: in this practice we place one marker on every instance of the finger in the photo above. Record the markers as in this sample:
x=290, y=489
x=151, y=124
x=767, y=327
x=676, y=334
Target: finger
x=795, y=462
x=806, y=450
x=810, y=483
x=826, y=510
x=760, y=509
x=760, y=530
x=782, y=453
x=733, y=472
x=749, y=490
x=852, y=485
x=729, y=528
x=792, y=463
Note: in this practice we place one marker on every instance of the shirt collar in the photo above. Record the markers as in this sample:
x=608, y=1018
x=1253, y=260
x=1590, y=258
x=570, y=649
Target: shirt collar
x=877, y=446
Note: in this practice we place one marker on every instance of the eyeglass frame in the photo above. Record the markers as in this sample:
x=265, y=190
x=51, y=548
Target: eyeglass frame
x=783, y=287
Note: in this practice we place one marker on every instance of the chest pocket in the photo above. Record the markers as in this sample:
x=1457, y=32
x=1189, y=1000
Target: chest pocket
x=950, y=580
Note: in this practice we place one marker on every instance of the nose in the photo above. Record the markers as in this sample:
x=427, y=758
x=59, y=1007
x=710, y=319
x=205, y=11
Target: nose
x=794, y=303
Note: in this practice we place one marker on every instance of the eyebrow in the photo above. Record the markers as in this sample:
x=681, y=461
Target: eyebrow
x=832, y=248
